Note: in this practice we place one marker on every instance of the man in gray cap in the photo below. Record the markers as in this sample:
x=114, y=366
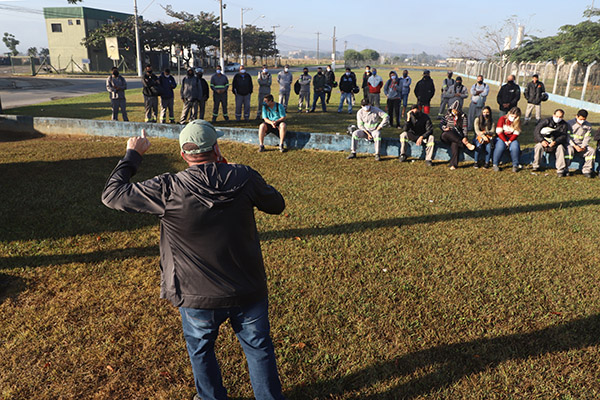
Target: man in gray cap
x=210, y=258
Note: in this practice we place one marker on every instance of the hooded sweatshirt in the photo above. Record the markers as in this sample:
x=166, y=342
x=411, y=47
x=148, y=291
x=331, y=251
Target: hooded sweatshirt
x=210, y=255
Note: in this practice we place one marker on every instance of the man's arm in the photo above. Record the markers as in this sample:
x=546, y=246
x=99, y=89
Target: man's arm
x=266, y=198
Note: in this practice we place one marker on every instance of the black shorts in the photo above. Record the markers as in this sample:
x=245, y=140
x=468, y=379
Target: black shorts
x=272, y=130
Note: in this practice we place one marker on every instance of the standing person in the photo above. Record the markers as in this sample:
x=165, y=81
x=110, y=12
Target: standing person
x=116, y=86
x=273, y=122
x=375, y=83
x=150, y=91
x=448, y=82
x=419, y=129
x=304, y=96
x=264, y=88
x=211, y=264
x=365, y=82
x=219, y=85
x=370, y=120
x=406, y=82
x=205, y=93
x=190, y=91
x=507, y=131
x=319, y=82
x=347, y=85
x=479, y=93
x=552, y=136
x=242, y=89
x=285, y=79
x=330, y=75
x=393, y=91
x=508, y=96
x=581, y=135
x=484, y=135
x=533, y=94
x=457, y=92
x=454, y=132
x=167, y=84
x=424, y=90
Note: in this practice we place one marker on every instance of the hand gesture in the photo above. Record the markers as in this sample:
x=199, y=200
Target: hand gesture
x=139, y=143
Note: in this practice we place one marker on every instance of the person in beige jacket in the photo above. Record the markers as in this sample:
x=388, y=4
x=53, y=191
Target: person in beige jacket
x=370, y=120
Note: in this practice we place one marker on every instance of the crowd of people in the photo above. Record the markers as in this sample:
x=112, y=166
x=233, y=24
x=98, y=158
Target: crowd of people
x=490, y=137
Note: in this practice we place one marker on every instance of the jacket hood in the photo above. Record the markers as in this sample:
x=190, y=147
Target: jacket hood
x=214, y=183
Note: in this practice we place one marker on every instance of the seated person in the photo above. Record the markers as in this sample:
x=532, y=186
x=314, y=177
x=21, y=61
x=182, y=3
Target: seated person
x=370, y=121
x=581, y=135
x=484, y=134
x=508, y=130
x=273, y=115
x=454, y=132
x=552, y=136
x=419, y=129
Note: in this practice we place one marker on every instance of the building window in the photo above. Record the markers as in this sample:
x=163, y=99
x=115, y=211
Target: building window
x=56, y=28
x=78, y=22
x=70, y=22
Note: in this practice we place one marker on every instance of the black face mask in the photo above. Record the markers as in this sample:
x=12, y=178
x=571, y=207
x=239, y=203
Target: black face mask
x=115, y=74
x=320, y=73
x=190, y=74
x=404, y=75
x=149, y=72
x=305, y=72
x=479, y=82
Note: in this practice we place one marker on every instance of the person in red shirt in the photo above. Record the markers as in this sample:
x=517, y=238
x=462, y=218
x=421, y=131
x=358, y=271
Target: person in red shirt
x=508, y=130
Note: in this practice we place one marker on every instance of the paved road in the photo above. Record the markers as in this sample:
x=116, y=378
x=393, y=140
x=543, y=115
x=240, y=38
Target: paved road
x=23, y=91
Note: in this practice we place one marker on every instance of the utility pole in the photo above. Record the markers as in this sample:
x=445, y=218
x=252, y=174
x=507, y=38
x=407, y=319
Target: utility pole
x=242, y=10
x=221, y=60
x=275, y=40
x=138, y=52
x=318, y=33
x=333, y=52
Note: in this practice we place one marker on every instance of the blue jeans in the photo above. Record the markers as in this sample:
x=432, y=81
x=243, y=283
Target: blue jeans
x=404, y=100
x=317, y=96
x=480, y=147
x=251, y=326
x=347, y=97
x=515, y=151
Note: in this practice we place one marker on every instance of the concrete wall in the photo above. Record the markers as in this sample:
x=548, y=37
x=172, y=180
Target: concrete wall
x=294, y=140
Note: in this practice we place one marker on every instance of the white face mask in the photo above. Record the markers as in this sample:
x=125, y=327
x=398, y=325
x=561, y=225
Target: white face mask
x=328, y=69
x=556, y=119
x=218, y=71
x=243, y=71
x=367, y=70
x=286, y=69
x=347, y=73
x=580, y=121
x=264, y=70
x=367, y=108
x=511, y=118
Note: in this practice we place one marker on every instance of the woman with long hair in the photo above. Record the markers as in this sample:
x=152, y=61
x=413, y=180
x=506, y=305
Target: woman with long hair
x=508, y=130
x=454, y=133
x=484, y=134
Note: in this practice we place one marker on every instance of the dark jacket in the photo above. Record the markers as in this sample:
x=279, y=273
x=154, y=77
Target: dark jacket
x=560, y=134
x=167, y=84
x=319, y=82
x=419, y=126
x=242, y=84
x=424, y=90
x=533, y=92
x=330, y=75
x=347, y=83
x=151, y=85
x=366, y=77
x=210, y=255
x=204, y=85
x=509, y=93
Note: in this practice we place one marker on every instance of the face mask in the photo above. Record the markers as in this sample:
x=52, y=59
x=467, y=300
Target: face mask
x=479, y=82
x=367, y=108
x=305, y=72
x=367, y=71
x=328, y=69
x=393, y=77
x=374, y=73
x=347, y=73
x=149, y=72
x=580, y=121
x=511, y=118
x=190, y=73
x=458, y=83
x=320, y=72
x=218, y=71
x=556, y=119
x=486, y=115
x=115, y=74
x=243, y=71
x=405, y=75
x=264, y=71
x=285, y=69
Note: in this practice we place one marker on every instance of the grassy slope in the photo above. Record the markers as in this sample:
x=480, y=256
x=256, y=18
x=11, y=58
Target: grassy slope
x=386, y=280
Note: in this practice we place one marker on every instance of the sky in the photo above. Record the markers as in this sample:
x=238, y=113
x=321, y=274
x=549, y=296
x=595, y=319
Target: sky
x=431, y=23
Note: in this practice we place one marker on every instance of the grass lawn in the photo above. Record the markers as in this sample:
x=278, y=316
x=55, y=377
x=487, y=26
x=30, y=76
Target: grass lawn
x=97, y=106
x=387, y=280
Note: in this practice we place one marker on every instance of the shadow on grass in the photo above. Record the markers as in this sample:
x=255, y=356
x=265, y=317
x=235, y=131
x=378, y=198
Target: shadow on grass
x=10, y=286
x=422, y=219
x=97, y=110
x=56, y=199
x=452, y=362
x=19, y=136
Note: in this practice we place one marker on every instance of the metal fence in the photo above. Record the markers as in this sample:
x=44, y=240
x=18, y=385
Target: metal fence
x=565, y=79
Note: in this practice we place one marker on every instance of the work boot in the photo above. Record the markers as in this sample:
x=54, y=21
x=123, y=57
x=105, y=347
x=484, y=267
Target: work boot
x=261, y=148
x=351, y=156
x=377, y=157
x=402, y=158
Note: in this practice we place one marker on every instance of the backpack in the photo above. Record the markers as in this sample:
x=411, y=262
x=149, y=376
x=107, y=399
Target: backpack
x=297, y=87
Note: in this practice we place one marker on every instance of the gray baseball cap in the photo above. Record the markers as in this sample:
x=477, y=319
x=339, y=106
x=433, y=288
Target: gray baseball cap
x=200, y=133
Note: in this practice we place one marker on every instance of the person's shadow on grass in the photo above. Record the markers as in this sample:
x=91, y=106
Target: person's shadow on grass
x=452, y=362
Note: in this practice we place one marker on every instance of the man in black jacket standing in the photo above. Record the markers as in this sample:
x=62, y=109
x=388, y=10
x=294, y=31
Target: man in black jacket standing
x=151, y=91
x=205, y=93
x=330, y=75
x=211, y=262
x=242, y=89
x=533, y=94
x=424, y=90
x=347, y=85
x=509, y=95
x=552, y=136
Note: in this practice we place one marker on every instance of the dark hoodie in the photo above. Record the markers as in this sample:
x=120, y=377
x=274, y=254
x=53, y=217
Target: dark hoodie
x=210, y=254
x=424, y=90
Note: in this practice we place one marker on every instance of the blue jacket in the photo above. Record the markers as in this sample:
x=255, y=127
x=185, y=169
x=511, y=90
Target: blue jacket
x=167, y=84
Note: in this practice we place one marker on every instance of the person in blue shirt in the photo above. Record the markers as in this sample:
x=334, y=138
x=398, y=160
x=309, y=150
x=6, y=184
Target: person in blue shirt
x=273, y=115
x=167, y=84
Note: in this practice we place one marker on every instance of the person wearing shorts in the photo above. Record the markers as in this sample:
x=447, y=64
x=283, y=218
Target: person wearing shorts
x=273, y=115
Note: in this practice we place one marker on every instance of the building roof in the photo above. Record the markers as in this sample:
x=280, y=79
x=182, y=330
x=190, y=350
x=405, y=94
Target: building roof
x=82, y=12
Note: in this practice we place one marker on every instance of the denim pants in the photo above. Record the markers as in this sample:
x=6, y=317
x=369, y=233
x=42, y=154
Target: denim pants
x=319, y=95
x=346, y=97
x=251, y=326
x=486, y=148
x=515, y=151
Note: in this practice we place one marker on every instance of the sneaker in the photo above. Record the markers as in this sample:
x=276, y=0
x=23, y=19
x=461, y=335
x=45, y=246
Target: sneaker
x=515, y=169
x=452, y=168
x=588, y=175
x=377, y=157
x=351, y=156
x=476, y=166
x=261, y=148
x=535, y=169
x=172, y=121
x=402, y=158
x=226, y=118
x=350, y=112
x=429, y=163
x=282, y=149
x=214, y=119
x=496, y=168
x=487, y=166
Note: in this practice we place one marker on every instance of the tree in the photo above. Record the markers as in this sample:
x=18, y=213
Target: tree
x=11, y=43
x=370, y=55
x=44, y=52
x=351, y=55
x=32, y=52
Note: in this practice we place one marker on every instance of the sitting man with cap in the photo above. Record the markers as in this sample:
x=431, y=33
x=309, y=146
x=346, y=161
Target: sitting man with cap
x=273, y=115
x=210, y=258
x=370, y=120
x=552, y=136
